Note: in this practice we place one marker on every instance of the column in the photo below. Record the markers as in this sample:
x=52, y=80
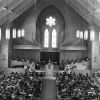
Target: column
x=93, y=50
x=5, y=51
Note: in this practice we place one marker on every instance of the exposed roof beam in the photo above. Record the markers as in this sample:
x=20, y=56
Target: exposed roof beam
x=23, y=6
x=4, y=3
x=13, y=4
x=91, y=7
x=5, y=11
x=77, y=6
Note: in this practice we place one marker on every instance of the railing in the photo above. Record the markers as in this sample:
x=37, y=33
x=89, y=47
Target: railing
x=7, y=71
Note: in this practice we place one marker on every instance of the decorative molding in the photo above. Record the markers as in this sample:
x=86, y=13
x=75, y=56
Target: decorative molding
x=61, y=48
x=25, y=47
x=73, y=48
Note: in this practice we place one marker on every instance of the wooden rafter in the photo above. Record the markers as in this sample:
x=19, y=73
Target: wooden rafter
x=18, y=10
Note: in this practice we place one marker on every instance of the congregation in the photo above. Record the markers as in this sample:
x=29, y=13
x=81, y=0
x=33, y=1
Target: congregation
x=18, y=86
x=77, y=86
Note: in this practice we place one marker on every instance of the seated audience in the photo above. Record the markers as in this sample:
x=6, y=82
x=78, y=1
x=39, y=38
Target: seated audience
x=79, y=64
x=76, y=86
x=16, y=86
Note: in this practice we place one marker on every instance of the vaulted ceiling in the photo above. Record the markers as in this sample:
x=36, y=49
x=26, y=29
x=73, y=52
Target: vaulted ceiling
x=88, y=9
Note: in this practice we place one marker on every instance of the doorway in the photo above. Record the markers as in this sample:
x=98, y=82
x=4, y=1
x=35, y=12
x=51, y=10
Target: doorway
x=53, y=56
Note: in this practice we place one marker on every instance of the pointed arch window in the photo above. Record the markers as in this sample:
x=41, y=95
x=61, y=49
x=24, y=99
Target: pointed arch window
x=54, y=38
x=46, y=38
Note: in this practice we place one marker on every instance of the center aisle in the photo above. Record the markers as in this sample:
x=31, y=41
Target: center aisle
x=49, y=89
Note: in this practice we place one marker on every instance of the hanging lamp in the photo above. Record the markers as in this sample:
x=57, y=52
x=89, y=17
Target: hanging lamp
x=22, y=33
x=18, y=33
x=92, y=32
x=14, y=31
x=86, y=31
x=0, y=33
x=81, y=34
x=7, y=29
x=77, y=34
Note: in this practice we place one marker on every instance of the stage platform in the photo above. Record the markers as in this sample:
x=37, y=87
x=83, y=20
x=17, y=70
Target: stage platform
x=56, y=70
x=7, y=71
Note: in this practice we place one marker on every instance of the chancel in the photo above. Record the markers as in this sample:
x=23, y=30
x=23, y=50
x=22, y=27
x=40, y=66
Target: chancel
x=49, y=49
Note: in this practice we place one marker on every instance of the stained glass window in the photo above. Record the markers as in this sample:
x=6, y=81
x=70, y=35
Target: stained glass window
x=46, y=38
x=54, y=38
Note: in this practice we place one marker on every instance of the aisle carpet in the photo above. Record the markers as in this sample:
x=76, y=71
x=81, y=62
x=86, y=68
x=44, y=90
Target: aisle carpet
x=49, y=89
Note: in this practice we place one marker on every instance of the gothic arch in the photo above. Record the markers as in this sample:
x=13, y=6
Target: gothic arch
x=40, y=24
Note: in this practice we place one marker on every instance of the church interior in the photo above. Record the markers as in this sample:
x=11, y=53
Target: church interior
x=49, y=49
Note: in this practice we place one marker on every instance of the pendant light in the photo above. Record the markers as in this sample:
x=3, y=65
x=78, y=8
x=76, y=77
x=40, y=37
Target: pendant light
x=14, y=33
x=0, y=33
x=92, y=32
x=22, y=30
x=86, y=31
x=19, y=33
x=8, y=33
x=81, y=34
x=86, y=35
x=7, y=29
x=23, y=33
x=99, y=37
x=77, y=34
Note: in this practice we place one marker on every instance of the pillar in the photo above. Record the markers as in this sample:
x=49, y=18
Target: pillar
x=5, y=51
x=93, y=50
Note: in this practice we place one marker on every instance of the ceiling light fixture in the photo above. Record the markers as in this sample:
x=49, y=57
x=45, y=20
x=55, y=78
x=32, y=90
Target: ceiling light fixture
x=14, y=29
x=86, y=31
x=0, y=33
x=8, y=25
x=92, y=32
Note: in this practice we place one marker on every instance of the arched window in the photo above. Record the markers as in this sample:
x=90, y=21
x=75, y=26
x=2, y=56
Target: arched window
x=54, y=38
x=46, y=38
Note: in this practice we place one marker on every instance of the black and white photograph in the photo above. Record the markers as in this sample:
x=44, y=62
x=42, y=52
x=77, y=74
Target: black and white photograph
x=49, y=49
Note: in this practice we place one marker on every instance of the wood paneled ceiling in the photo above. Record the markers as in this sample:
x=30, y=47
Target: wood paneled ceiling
x=88, y=9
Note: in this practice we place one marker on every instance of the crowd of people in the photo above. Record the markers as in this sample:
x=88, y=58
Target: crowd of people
x=69, y=85
x=23, y=85
x=74, y=63
x=77, y=86
x=17, y=62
